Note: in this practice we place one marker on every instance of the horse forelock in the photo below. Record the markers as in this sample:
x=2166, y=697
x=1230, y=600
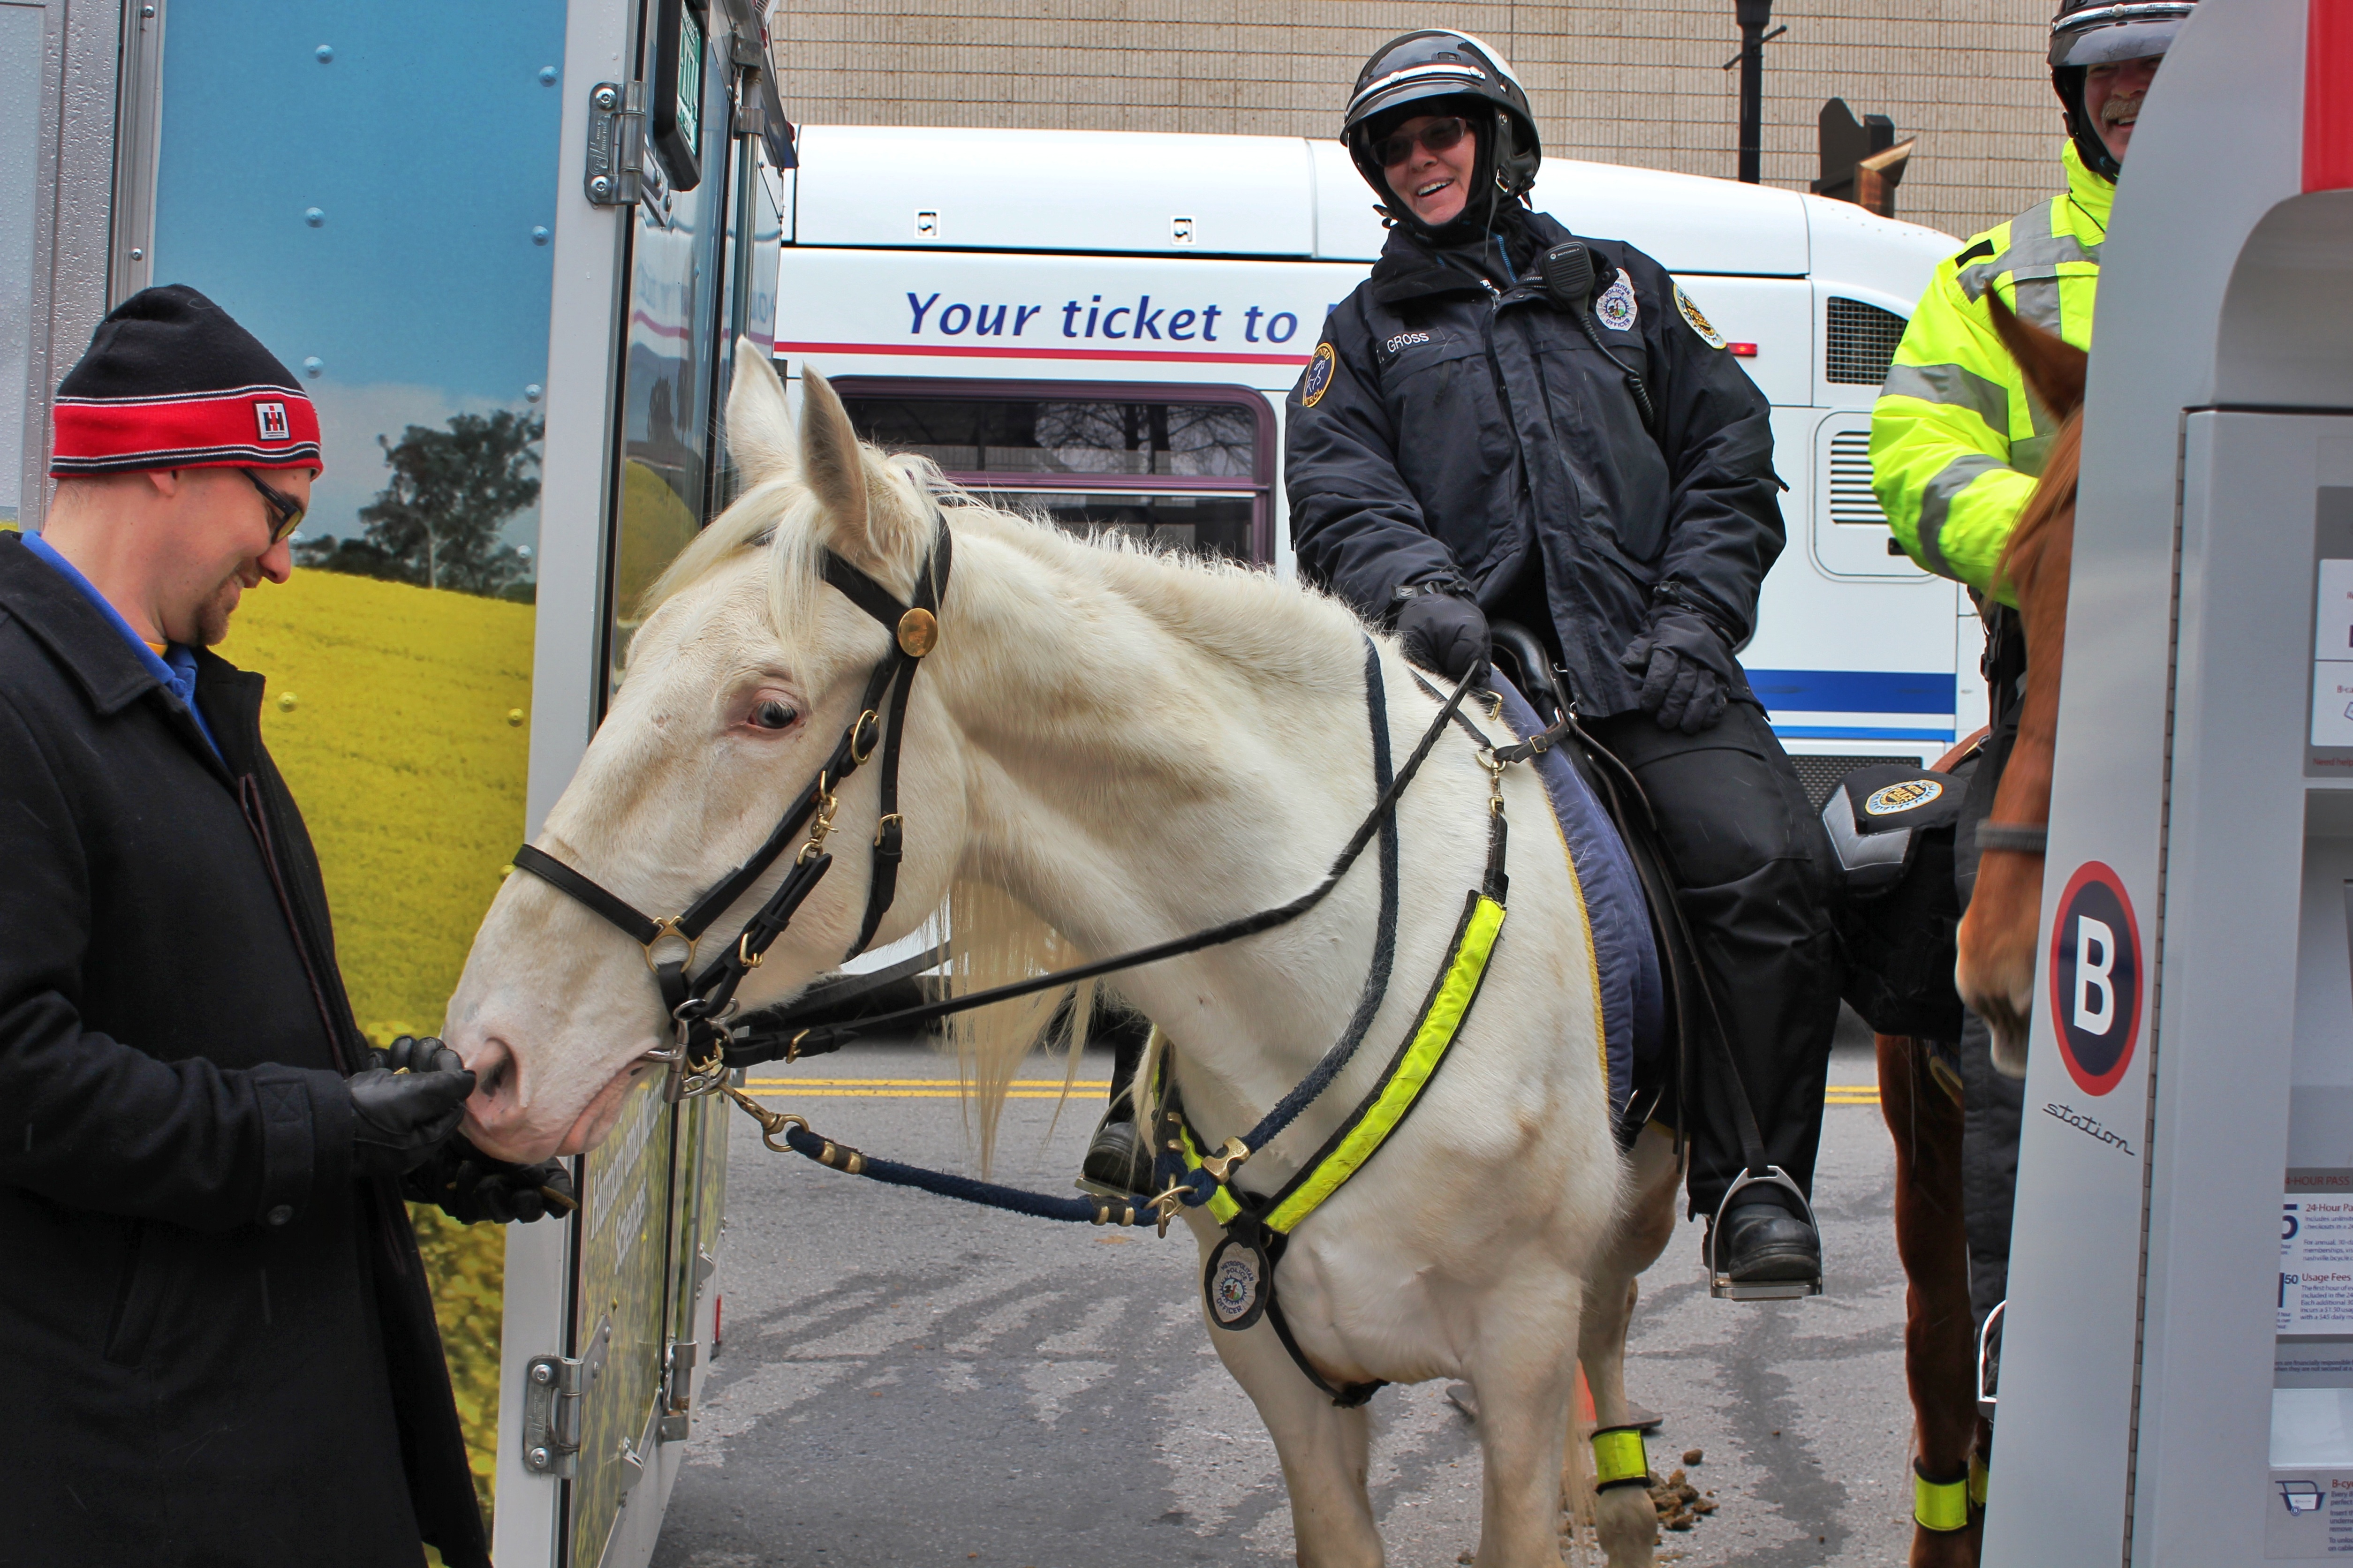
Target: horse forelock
x=2020, y=562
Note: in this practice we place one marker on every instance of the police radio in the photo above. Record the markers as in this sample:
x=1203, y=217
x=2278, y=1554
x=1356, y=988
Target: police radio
x=1567, y=272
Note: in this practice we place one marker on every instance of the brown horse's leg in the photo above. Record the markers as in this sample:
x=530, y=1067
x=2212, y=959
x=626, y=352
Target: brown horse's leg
x=1940, y=1342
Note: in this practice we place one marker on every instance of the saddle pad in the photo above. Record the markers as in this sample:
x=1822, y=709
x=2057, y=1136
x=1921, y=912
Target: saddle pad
x=1626, y=957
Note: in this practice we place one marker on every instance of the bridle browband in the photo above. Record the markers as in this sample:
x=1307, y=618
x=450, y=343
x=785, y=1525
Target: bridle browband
x=698, y=1003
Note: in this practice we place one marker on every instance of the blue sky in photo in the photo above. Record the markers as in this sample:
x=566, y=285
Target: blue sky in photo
x=428, y=146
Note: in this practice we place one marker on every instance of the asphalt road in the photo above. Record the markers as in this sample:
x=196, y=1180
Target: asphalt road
x=907, y=1380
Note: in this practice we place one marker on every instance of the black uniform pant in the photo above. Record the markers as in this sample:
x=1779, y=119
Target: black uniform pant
x=1992, y=1106
x=1756, y=873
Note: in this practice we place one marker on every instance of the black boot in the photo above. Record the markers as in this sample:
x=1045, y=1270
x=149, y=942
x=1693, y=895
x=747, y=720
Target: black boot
x=1764, y=1244
x=1119, y=1159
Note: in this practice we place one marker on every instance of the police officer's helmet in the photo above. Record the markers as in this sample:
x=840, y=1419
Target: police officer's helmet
x=2087, y=33
x=1422, y=68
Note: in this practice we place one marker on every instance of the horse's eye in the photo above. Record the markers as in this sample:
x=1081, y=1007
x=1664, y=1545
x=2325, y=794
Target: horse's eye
x=773, y=715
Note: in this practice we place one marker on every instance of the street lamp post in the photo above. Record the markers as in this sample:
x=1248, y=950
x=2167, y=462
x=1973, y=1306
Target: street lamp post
x=1754, y=16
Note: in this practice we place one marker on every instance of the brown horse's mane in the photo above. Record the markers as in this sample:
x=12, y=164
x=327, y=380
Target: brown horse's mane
x=2055, y=370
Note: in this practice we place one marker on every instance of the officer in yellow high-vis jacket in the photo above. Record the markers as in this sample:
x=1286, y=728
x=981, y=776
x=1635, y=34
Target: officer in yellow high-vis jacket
x=1956, y=448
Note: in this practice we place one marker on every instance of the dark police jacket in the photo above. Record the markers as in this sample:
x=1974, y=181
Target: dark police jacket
x=1443, y=427
x=218, y=1343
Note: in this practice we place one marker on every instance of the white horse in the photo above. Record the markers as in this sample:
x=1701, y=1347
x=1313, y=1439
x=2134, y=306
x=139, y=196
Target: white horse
x=1134, y=746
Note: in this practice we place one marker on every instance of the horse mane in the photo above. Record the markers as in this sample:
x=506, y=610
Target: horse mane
x=1237, y=613
x=2055, y=371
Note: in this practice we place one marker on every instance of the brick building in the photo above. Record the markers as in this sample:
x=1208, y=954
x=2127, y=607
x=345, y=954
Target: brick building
x=1617, y=82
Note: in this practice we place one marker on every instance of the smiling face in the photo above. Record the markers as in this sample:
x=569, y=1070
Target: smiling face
x=1434, y=186
x=2113, y=95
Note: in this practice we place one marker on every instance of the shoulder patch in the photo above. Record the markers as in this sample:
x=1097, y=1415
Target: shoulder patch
x=1699, y=323
x=1616, y=307
x=1978, y=252
x=1318, y=379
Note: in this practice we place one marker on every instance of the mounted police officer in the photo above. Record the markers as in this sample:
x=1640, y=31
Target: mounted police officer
x=216, y=1326
x=1504, y=421
x=1956, y=446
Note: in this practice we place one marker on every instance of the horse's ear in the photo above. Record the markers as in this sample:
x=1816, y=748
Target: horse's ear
x=2054, y=367
x=831, y=465
x=759, y=425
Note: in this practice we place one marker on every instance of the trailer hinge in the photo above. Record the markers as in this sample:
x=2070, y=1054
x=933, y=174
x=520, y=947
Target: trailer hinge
x=554, y=1389
x=678, y=1387
x=616, y=142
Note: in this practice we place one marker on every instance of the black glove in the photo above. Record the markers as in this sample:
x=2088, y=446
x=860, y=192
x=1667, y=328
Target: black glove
x=406, y=1106
x=1688, y=674
x=472, y=1188
x=1443, y=632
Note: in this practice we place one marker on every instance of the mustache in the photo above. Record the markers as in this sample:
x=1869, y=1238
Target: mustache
x=2124, y=106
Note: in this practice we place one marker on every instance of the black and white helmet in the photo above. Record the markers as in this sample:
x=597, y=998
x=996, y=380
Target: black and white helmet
x=1422, y=68
x=2087, y=33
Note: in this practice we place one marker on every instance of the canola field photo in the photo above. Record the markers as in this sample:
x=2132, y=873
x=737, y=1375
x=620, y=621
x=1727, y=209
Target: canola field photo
x=400, y=717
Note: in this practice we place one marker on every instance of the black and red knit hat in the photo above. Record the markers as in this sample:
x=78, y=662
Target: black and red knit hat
x=171, y=382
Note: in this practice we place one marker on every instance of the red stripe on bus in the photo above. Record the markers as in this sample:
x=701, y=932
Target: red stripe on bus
x=959, y=351
x=2329, y=96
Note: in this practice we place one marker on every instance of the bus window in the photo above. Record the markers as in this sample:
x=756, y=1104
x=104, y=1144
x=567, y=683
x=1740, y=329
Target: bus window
x=1189, y=467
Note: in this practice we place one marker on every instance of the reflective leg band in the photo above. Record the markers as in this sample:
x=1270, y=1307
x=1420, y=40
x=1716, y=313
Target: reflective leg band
x=1940, y=1506
x=1619, y=1459
x=1977, y=1481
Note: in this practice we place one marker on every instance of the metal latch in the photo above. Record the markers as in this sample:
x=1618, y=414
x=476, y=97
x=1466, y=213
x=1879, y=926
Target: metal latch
x=555, y=1388
x=678, y=1387
x=616, y=142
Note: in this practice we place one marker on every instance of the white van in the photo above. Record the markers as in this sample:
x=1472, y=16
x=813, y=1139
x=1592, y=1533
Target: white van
x=1103, y=326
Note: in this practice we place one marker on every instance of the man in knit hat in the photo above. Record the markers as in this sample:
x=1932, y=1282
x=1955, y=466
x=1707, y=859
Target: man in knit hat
x=215, y=1323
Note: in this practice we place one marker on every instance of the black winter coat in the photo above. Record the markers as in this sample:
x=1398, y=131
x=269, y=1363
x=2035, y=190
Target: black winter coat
x=1444, y=426
x=219, y=1343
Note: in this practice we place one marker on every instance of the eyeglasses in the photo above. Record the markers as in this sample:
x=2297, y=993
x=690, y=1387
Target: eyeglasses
x=1437, y=136
x=285, y=511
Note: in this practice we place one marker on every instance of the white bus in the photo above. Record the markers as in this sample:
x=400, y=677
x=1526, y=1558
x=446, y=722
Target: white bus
x=1103, y=326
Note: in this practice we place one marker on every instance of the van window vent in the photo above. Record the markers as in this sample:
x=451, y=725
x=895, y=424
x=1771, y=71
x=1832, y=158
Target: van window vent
x=1851, y=497
x=1863, y=343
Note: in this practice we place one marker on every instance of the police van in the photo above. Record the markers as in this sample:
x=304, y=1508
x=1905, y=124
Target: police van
x=1102, y=327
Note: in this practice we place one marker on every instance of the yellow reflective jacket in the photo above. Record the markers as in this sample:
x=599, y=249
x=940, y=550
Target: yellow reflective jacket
x=1955, y=442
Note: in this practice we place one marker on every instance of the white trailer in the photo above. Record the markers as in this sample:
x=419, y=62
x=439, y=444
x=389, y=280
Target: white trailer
x=1121, y=282
x=433, y=212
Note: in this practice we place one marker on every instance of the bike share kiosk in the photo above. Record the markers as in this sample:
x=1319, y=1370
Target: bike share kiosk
x=534, y=232
x=2177, y=1369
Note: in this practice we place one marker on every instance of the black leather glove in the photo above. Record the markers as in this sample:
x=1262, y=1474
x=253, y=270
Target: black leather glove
x=471, y=1187
x=406, y=1106
x=1443, y=632
x=1688, y=674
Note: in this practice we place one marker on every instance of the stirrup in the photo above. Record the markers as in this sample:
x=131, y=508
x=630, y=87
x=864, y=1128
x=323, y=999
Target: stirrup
x=1990, y=1362
x=1720, y=1285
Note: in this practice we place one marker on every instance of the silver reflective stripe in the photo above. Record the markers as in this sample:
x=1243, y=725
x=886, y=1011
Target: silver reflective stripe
x=2028, y=456
x=1936, y=501
x=2036, y=300
x=2034, y=249
x=1955, y=387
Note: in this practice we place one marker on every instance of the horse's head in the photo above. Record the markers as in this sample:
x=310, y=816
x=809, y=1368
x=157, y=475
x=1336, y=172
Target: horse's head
x=1995, y=972
x=739, y=684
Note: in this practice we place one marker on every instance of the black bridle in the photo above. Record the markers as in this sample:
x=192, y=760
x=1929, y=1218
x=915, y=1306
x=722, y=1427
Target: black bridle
x=699, y=1002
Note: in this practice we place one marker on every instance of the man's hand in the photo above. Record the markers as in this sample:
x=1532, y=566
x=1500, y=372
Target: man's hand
x=1442, y=632
x=407, y=1105
x=1688, y=674
x=472, y=1188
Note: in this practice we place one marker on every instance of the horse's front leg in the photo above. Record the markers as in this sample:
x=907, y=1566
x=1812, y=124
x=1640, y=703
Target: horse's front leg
x=1625, y=1520
x=1939, y=1337
x=1522, y=1369
x=1325, y=1451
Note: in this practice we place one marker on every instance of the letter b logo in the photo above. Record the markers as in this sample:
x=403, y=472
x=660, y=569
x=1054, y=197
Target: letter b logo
x=2096, y=978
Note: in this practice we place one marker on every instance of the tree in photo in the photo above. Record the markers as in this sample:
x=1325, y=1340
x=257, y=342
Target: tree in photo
x=437, y=523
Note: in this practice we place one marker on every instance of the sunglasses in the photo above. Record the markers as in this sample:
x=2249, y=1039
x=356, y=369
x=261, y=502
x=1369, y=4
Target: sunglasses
x=1437, y=136
x=285, y=511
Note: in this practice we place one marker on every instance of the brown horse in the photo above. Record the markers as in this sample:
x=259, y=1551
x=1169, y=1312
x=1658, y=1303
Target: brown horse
x=1996, y=971
x=1995, y=975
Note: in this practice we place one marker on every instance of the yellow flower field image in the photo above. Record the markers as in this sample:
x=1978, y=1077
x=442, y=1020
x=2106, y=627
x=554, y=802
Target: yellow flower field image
x=399, y=716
